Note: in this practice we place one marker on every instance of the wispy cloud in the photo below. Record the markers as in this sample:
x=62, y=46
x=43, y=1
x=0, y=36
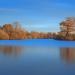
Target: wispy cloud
x=7, y=10
x=63, y=4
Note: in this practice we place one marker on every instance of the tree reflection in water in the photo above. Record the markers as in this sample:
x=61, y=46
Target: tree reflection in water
x=11, y=50
x=67, y=54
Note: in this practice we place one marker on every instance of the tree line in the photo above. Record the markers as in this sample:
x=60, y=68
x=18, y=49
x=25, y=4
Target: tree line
x=16, y=32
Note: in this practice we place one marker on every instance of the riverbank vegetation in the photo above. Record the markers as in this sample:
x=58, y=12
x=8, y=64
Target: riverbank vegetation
x=16, y=32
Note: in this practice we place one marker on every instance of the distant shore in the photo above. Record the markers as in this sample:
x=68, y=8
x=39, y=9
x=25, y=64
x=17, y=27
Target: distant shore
x=16, y=32
x=10, y=32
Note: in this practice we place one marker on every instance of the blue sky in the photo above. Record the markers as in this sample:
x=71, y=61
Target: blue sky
x=36, y=15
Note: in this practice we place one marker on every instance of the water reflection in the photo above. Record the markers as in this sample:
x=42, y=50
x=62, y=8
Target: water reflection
x=36, y=60
x=11, y=50
x=67, y=54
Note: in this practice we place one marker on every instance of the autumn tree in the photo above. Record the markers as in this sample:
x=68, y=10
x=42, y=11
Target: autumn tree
x=68, y=26
x=3, y=35
x=8, y=27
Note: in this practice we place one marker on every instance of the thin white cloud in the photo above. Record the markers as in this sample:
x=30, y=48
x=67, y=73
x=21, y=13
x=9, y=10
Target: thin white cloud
x=7, y=10
x=63, y=4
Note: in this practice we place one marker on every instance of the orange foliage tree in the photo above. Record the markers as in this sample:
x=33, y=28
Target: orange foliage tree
x=68, y=26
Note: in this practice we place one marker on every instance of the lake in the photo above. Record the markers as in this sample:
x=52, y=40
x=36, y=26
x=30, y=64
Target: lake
x=37, y=57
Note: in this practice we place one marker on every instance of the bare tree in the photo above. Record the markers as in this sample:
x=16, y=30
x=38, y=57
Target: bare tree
x=17, y=25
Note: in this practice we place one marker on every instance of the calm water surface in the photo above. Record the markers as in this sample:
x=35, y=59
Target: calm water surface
x=19, y=58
